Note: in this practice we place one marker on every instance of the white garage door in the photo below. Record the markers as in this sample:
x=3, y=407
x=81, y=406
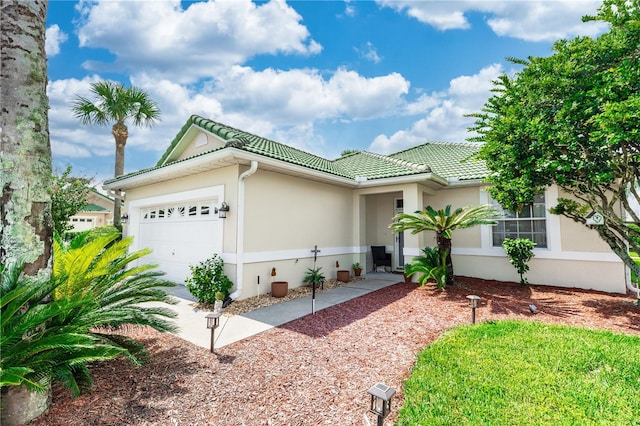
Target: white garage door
x=180, y=234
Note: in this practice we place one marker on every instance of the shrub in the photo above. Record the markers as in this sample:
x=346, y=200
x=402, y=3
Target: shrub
x=520, y=252
x=207, y=279
x=432, y=266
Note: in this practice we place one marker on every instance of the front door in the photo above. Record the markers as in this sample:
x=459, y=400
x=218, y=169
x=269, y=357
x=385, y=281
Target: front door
x=398, y=254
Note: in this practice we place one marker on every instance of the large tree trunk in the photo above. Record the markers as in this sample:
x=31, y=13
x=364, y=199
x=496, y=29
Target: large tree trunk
x=25, y=155
x=25, y=211
x=444, y=245
x=120, y=133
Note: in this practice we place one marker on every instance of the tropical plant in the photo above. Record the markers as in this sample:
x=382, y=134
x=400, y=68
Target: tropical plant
x=208, y=278
x=43, y=340
x=571, y=119
x=520, y=252
x=356, y=266
x=443, y=222
x=95, y=294
x=117, y=104
x=98, y=262
x=68, y=197
x=314, y=276
x=430, y=266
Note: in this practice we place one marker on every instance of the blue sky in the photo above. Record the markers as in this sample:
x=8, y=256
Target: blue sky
x=322, y=76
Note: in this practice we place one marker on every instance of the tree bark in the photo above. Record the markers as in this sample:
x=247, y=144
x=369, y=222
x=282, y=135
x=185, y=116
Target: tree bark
x=120, y=133
x=444, y=245
x=25, y=152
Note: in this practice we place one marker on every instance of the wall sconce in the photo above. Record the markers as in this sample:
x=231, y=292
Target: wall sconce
x=223, y=210
x=381, y=395
x=213, y=320
x=473, y=302
x=124, y=218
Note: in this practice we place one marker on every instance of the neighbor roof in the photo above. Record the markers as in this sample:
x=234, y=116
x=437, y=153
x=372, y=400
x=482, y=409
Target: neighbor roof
x=447, y=160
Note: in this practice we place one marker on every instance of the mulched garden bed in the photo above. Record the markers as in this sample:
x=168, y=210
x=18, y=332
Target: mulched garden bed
x=316, y=370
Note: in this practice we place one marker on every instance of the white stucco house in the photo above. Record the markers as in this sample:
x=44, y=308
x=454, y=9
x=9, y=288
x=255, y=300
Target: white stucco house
x=282, y=202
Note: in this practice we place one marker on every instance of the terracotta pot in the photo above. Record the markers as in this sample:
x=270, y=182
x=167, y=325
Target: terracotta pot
x=279, y=288
x=344, y=276
x=357, y=272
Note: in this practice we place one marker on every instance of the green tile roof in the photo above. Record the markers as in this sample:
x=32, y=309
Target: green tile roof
x=94, y=208
x=448, y=160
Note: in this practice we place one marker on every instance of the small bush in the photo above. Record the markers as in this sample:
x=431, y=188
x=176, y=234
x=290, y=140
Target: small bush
x=431, y=266
x=520, y=252
x=207, y=279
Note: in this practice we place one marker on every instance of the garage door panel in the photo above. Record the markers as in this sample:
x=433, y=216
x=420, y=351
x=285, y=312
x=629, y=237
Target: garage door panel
x=179, y=239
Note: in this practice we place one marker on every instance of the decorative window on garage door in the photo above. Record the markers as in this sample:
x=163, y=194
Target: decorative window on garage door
x=201, y=210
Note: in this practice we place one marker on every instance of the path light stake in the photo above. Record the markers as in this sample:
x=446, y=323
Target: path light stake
x=213, y=320
x=473, y=302
x=381, y=395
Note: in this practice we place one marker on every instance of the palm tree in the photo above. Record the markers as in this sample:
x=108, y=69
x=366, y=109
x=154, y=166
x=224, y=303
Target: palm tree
x=26, y=230
x=443, y=222
x=117, y=104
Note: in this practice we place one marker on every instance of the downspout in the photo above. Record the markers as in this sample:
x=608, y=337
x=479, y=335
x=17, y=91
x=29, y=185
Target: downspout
x=240, y=232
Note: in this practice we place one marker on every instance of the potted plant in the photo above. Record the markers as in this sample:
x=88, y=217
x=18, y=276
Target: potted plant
x=357, y=270
x=314, y=276
x=278, y=288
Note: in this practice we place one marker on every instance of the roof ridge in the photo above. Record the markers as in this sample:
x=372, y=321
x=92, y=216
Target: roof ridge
x=418, y=167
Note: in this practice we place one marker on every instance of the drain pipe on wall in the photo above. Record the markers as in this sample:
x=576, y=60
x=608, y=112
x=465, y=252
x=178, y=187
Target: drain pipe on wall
x=240, y=232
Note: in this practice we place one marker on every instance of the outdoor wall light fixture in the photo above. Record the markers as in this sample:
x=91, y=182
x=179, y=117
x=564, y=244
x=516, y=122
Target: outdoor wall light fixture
x=213, y=320
x=124, y=218
x=381, y=395
x=473, y=302
x=223, y=210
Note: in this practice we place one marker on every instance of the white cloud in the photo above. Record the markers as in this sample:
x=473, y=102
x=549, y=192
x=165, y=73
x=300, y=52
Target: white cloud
x=445, y=116
x=542, y=20
x=54, y=37
x=297, y=96
x=369, y=53
x=184, y=45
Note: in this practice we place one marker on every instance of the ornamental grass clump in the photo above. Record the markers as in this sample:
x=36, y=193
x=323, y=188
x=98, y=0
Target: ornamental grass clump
x=207, y=279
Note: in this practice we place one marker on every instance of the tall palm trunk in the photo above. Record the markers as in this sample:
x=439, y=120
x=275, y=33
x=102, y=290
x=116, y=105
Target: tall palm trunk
x=444, y=245
x=25, y=206
x=25, y=210
x=120, y=134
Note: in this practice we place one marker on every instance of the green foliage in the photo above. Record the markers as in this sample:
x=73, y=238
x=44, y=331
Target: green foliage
x=520, y=252
x=314, y=276
x=431, y=266
x=94, y=294
x=68, y=197
x=356, y=266
x=208, y=278
x=524, y=373
x=443, y=222
x=571, y=119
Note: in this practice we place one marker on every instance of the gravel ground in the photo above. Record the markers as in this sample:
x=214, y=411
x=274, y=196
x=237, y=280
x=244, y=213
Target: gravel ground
x=315, y=370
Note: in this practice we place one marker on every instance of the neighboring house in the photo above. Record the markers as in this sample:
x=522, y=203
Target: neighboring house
x=283, y=202
x=98, y=212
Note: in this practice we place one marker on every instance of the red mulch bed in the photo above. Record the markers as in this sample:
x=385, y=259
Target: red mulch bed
x=315, y=370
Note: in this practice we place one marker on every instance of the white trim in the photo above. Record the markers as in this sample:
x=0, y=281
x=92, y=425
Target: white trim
x=542, y=254
x=271, y=256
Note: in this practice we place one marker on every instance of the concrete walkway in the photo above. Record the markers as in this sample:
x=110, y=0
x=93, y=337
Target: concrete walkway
x=193, y=325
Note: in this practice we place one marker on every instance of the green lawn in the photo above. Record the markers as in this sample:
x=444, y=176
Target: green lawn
x=525, y=373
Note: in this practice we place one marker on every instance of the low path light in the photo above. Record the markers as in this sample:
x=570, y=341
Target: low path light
x=473, y=302
x=213, y=320
x=381, y=395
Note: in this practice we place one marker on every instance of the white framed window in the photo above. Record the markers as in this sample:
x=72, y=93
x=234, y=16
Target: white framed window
x=529, y=223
